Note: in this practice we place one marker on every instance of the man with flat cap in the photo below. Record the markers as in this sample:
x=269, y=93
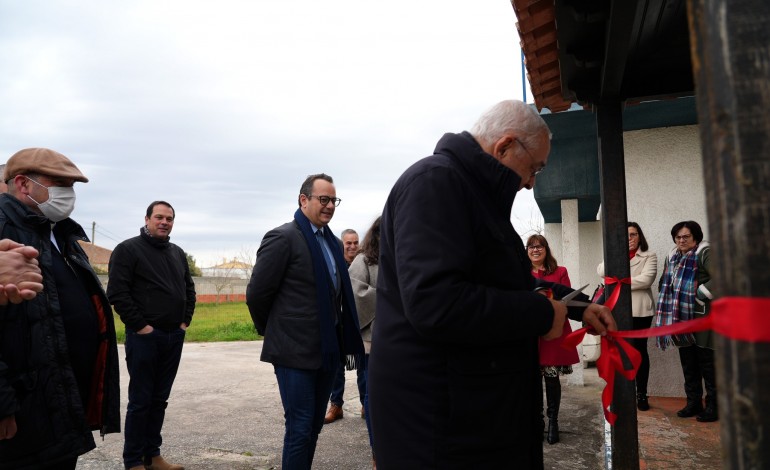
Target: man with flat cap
x=58, y=353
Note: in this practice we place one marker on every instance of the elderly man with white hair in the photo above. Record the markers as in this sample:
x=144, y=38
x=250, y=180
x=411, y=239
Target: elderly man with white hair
x=454, y=374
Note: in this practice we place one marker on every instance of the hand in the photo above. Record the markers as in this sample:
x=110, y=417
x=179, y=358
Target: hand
x=600, y=319
x=20, y=276
x=7, y=427
x=559, y=318
x=146, y=330
x=183, y=326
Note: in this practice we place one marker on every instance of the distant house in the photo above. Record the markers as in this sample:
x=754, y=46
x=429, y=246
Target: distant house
x=232, y=269
x=98, y=257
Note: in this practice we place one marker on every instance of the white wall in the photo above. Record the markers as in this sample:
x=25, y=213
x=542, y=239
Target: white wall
x=591, y=252
x=664, y=185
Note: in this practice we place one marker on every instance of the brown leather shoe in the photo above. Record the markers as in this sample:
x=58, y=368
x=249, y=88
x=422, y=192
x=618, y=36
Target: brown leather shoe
x=138, y=467
x=158, y=463
x=334, y=413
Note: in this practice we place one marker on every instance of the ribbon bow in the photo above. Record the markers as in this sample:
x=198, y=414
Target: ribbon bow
x=610, y=359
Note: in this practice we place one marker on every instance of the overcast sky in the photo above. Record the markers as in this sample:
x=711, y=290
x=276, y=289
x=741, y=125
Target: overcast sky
x=223, y=108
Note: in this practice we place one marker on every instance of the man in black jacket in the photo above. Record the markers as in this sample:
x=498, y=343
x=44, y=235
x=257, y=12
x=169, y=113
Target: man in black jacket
x=152, y=291
x=454, y=375
x=58, y=353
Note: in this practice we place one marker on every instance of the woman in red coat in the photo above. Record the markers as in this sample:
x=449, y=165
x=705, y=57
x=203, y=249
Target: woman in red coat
x=554, y=360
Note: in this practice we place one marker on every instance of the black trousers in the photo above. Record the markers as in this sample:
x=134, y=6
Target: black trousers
x=640, y=344
x=698, y=369
x=68, y=464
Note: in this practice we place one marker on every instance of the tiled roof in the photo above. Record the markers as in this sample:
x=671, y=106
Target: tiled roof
x=96, y=254
x=593, y=52
x=537, y=30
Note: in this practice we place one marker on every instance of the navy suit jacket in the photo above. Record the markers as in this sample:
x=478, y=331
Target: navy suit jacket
x=282, y=300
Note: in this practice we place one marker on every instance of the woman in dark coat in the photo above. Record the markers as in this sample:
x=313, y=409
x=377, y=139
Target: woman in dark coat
x=685, y=295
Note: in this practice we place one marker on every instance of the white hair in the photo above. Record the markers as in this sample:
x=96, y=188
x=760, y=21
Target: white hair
x=509, y=116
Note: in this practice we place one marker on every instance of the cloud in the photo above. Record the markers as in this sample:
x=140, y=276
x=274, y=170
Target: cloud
x=222, y=108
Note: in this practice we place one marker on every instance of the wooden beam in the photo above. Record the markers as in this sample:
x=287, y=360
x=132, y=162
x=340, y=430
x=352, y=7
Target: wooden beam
x=609, y=129
x=731, y=62
x=616, y=45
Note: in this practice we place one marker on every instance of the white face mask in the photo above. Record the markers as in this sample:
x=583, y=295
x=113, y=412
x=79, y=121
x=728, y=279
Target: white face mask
x=60, y=203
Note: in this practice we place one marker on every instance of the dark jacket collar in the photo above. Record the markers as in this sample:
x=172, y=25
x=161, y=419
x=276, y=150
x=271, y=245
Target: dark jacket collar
x=22, y=216
x=489, y=175
x=158, y=243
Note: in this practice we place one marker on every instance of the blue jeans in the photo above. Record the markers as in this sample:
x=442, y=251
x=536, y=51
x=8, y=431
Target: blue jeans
x=339, y=386
x=303, y=394
x=152, y=360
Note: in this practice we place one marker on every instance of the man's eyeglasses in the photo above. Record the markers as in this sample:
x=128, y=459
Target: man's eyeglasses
x=682, y=238
x=536, y=171
x=324, y=200
x=535, y=247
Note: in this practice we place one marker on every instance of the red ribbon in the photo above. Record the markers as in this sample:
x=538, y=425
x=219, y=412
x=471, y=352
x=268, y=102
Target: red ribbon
x=738, y=318
x=610, y=303
x=609, y=362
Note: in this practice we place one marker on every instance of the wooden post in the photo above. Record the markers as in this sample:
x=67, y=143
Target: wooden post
x=609, y=128
x=730, y=41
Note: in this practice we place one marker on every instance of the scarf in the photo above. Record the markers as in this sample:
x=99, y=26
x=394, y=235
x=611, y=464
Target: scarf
x=161, y=243
x=677, y=297
x=334, y=349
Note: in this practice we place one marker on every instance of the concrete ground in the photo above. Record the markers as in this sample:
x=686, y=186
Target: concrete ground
x=225, y=413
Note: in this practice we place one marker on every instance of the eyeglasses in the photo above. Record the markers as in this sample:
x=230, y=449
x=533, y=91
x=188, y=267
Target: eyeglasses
x=542, y=165
x=682, y=238
x=324, y=200
x=633, y=235
x=535, y=247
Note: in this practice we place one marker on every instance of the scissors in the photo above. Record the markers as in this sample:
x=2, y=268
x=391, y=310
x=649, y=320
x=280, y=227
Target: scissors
x=567, y=299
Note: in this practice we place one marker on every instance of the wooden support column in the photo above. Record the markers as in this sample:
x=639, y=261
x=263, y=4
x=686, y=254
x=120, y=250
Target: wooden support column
x=730, y=45
x=609, y=127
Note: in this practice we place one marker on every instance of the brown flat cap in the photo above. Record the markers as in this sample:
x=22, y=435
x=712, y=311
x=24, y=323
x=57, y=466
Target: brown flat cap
x=44, y=161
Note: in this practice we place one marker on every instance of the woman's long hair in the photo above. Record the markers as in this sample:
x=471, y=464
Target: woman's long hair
x=371, y=244
x=549, y=264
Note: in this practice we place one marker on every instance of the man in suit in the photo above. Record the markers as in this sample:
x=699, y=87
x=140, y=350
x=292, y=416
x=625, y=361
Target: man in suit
x=301, y=301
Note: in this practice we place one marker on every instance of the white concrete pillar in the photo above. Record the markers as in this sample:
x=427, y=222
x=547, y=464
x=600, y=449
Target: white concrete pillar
x=570, y=258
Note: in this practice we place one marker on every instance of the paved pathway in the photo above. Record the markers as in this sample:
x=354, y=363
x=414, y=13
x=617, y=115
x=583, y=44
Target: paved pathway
x=225, y=413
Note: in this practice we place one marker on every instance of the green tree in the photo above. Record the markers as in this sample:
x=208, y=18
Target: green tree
x=195, y=271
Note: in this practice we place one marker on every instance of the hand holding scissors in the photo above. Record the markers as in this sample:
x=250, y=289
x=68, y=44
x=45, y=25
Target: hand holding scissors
x=598, y=317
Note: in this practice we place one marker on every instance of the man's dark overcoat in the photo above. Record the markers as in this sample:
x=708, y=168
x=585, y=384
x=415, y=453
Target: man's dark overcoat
x=454, y=375
x=37, y=382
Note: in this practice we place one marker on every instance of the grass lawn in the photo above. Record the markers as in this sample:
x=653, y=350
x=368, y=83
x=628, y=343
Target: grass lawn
x=212, y=322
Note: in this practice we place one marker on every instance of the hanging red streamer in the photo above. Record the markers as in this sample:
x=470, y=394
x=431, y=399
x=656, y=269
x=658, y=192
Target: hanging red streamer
x=738, y=318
